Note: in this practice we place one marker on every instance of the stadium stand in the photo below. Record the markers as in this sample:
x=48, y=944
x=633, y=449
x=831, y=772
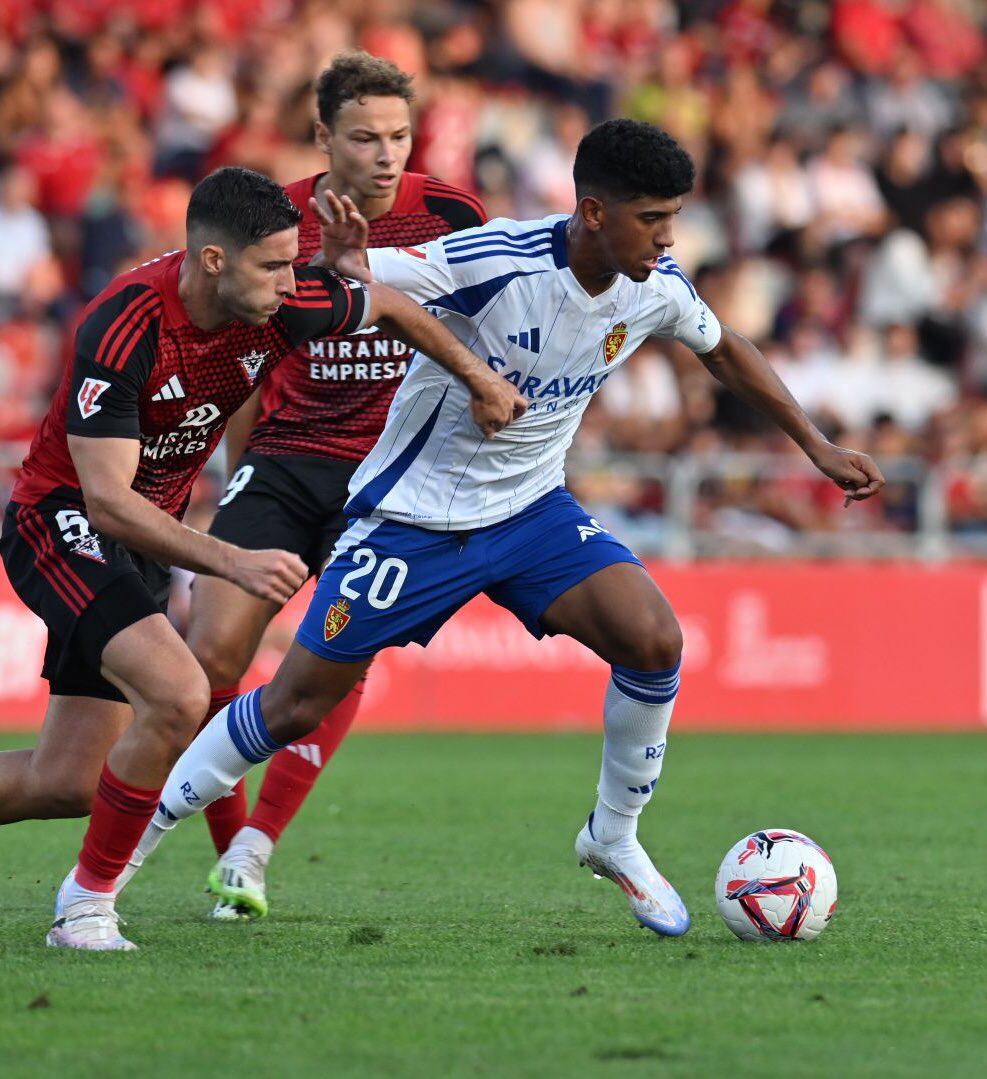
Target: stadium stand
x=838, y=220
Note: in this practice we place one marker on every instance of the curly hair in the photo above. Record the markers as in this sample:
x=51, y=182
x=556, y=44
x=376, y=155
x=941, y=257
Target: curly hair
x=629, y=159
x=241, y=205
x=355, y=75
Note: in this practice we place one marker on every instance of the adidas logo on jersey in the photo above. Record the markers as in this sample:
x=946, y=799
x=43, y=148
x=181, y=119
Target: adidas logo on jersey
x=594, y=528
x=252, y=363
x=529, y=339
x=311, y=753
x=170, y=391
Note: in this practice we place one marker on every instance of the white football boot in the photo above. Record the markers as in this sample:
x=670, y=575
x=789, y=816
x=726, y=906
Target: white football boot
x=87, y=922
x=654, y=902
x=91, y=925
x=237, y=879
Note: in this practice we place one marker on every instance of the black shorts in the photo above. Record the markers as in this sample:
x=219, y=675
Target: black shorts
x=83, y=585
x=291, y=502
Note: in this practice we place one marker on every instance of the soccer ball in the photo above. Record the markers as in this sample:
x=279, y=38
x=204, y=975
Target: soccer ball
x=776, y=885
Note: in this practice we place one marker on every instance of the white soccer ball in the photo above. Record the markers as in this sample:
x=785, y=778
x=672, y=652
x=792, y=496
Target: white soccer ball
x=776, y=885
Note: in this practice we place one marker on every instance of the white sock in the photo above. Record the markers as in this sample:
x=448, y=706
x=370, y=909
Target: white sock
x=73, y=892
x=157, y=829
x=636, y=715
x=256, y=841
x=230, y=744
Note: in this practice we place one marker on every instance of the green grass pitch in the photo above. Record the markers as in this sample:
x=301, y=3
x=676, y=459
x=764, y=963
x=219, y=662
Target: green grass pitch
x=428, y=919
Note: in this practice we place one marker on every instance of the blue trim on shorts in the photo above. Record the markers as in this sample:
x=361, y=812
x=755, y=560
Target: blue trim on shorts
x=420, y=577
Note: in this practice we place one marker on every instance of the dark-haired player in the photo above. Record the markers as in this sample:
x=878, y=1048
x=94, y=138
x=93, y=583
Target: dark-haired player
x=306, y=431
x=439, y=516
x=163, y=356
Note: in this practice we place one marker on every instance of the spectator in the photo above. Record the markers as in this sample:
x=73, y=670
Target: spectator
x=826, y=101
x=28, y=274
x=771, y=195
x=867, y=34
x=837, y=217
x=911, y=389
x=903, y=178
x=907, y=98
x=949, y=42
x=199, y=101
x=848, y=202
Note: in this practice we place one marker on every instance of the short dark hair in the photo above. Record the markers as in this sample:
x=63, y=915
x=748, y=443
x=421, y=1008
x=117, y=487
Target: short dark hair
x=240, y=205
x=629, y=159
x=355, y=75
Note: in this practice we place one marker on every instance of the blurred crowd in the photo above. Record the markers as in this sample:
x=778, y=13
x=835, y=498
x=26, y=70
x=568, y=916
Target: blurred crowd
x=838, y=218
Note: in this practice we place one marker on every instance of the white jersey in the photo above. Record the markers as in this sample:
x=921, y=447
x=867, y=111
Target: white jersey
x=506, y=291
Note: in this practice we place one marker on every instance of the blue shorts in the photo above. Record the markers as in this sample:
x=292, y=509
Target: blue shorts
x=391, y=583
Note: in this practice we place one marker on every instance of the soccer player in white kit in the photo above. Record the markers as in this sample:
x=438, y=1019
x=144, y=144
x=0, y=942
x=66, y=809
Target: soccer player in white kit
x=440, y=513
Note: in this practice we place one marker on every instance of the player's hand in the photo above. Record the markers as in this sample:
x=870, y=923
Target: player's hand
x=853, y=472
x=274, y=575
x=345, y=232
x=495, y=403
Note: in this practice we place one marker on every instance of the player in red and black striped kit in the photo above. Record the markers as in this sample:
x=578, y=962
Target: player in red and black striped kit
x=162, y=358
x=308, y=429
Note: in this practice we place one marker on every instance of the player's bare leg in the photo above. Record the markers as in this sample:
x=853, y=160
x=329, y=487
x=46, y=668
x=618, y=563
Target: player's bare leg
x=623, y=617
x=249, y=731
x=58, y=777
x=290, y=776
x=305, y=689
x=225, y=629
x=151, y=665
x=226, y=626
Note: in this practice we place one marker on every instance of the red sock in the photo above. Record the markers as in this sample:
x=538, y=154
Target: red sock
x=119, y=816
x=227, y=815
x=293, y=771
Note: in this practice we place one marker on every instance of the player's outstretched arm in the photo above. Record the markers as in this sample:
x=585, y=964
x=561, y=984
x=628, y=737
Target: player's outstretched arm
x=495, y=401
x=742, y=368
x=106, y=468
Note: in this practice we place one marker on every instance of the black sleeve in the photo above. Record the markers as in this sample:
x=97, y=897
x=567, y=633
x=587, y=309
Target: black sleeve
x=324, y=305
x=115, y=350
x=459, y=208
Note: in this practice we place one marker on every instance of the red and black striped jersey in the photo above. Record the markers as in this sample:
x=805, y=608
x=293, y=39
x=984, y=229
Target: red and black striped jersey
x=330, y=397
x=140, y=369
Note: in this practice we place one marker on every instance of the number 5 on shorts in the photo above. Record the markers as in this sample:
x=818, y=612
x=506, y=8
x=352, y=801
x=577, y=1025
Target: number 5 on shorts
x=238, y=481
x=366, y=563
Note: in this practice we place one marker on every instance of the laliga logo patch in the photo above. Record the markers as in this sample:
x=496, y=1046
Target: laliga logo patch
x=614, y=341
x=337, y=619
x=253, y=362
x=89, y=393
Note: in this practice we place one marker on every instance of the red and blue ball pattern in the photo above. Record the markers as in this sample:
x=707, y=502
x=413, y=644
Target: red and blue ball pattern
x=776, y=885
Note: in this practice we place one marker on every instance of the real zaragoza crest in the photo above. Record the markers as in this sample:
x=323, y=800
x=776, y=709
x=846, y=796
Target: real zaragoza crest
x=614, y=341
x=337, y=618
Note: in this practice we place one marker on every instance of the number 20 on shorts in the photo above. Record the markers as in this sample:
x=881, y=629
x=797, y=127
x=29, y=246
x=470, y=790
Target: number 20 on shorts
x=387, y=582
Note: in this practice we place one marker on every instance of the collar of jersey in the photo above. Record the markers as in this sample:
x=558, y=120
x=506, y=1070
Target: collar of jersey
x=576, y=292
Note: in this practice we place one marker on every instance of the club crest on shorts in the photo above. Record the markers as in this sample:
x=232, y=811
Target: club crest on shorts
x=88, y=546
x=614, y=341
x=337, y=619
